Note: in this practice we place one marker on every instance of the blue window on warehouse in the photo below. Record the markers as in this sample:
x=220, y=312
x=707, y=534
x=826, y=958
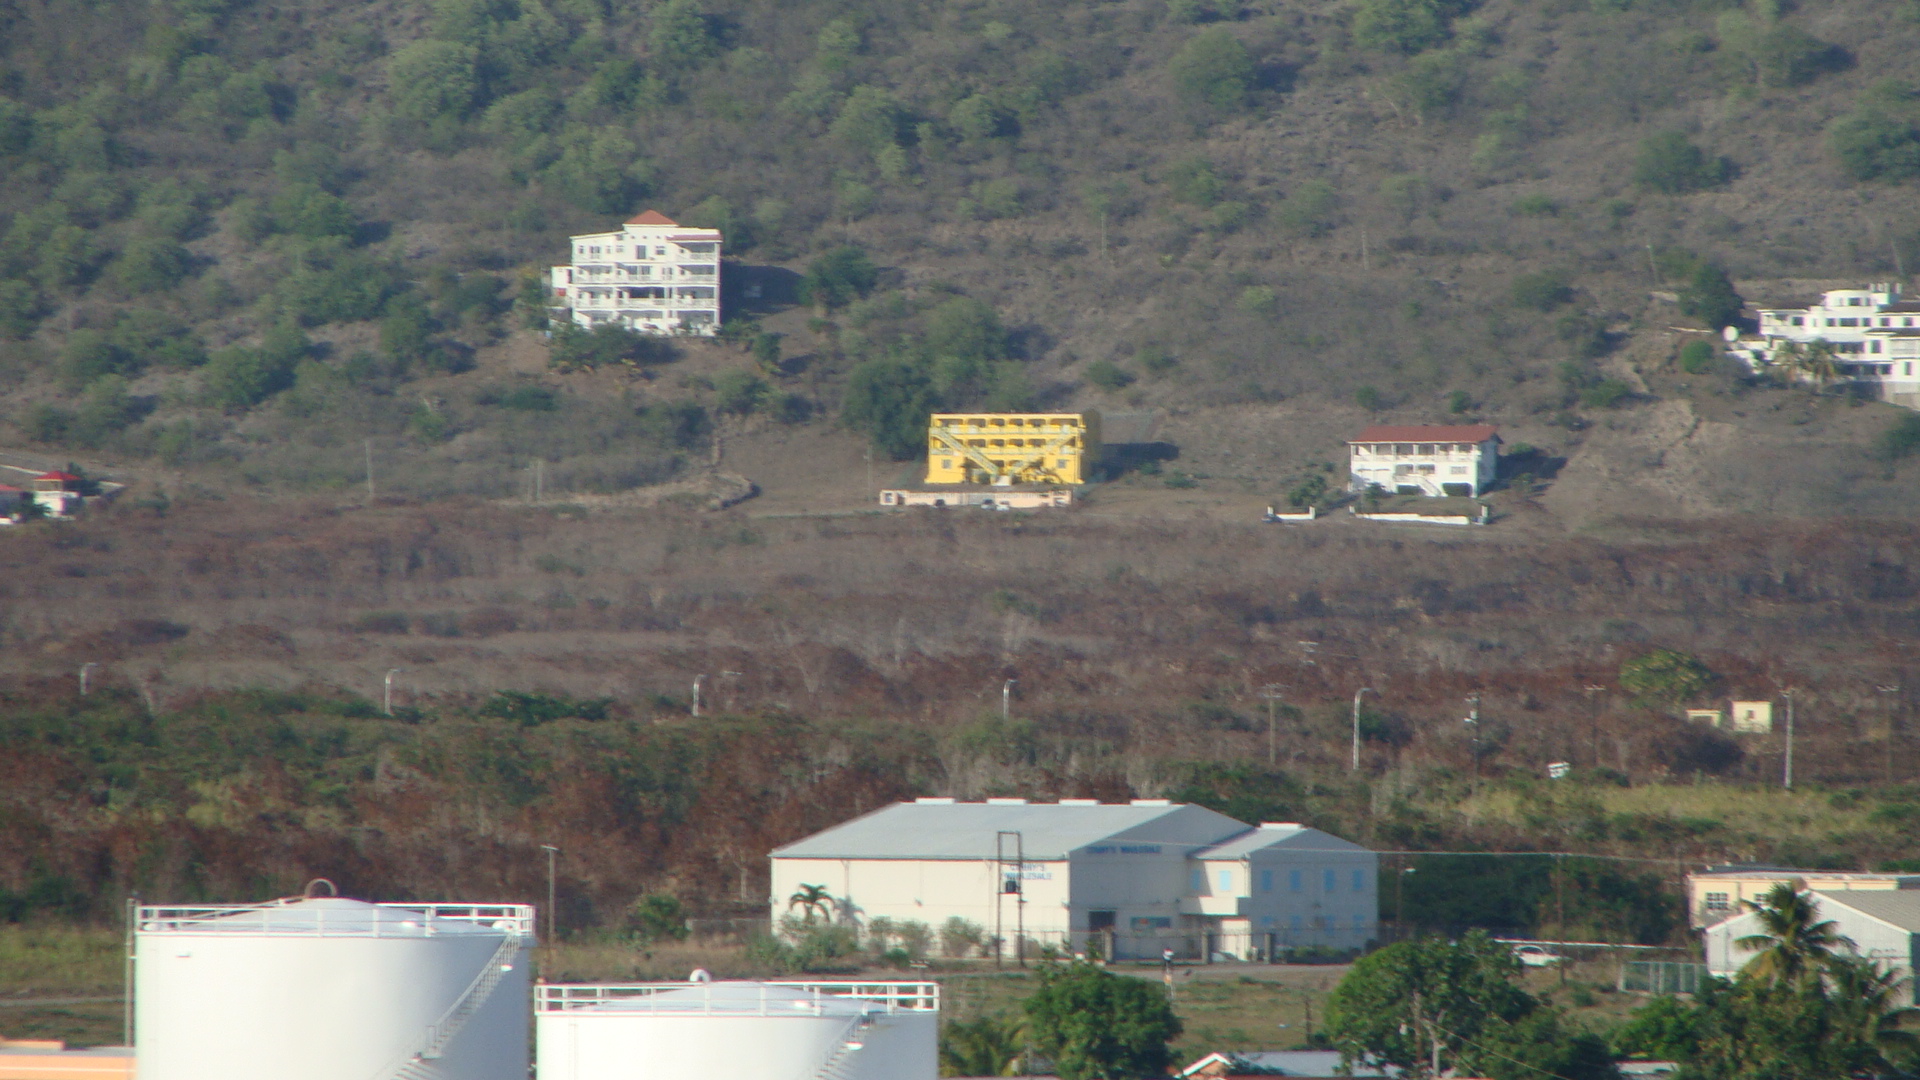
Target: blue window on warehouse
x=1326, y=881
x=1266, y=881
x=1226, y=881
x=1293, y=880
x=1199, y=881
x=1359, y=881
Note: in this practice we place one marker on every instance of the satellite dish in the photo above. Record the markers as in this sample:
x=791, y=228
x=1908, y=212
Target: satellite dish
x=1731, y=333
x=700, y=975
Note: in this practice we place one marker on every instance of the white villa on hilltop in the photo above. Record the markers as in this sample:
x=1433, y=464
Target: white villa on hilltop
x=1873, y=333
x=654, y=276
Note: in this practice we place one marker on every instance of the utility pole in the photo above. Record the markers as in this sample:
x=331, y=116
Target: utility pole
x=1356, y=724
x=1006, y=699
x=1594, y=716
x=1473, y=745
x=552, y=908
x=86, y=669
x=386, y=695
x=1889, y=696
x=1272, y=692
x=1786, y=777
x=697, y=680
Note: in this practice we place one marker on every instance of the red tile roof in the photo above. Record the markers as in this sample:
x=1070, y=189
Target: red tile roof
x=1467, y=433
x=652, y=217
x=68, y=478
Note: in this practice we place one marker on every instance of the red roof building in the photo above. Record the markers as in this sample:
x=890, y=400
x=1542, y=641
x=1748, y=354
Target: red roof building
x=654, y=276
x=1425, y=459
x=1434, y=433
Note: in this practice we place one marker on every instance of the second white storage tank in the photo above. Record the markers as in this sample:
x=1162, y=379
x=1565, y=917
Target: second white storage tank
x=738, y=1030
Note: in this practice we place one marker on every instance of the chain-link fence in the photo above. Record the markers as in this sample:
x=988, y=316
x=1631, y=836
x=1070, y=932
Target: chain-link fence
x=1661, y=977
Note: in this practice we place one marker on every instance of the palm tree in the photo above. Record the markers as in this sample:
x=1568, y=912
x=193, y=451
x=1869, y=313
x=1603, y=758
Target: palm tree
x=987, y=1046
x=811, y=900
x=1791, y=946
x=1815, y=360
x=1866, y=1002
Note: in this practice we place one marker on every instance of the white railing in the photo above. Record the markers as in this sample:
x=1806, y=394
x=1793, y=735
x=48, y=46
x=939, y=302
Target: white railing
x=283, y=917
x=894, y=996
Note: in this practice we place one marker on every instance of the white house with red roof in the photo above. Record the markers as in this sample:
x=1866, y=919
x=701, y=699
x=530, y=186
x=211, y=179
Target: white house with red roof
x=1425, y=459
x=58, y=493
x=654, y=276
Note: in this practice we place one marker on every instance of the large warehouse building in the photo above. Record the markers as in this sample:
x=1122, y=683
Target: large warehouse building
x=1133, y=878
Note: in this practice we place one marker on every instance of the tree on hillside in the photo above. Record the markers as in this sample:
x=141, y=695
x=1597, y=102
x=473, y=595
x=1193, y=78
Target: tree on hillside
x=1213, y=68
x=1709, y=296
x=1793, y=944
x=1880, y=138
x=889, y=401
x=1668, y=162
x=1665, y=677
x=1095, y=1025
x=839, y=277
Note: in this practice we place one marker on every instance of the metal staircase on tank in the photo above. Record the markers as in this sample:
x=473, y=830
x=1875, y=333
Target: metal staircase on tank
x=421, y=1063
x=835, y=1065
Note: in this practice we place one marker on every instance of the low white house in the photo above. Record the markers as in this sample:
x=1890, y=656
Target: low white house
x=1873, y=332
x=1884, y=926
x=654, y=276
x=1135, y=878
x=1718, y=893
x=1423, y=459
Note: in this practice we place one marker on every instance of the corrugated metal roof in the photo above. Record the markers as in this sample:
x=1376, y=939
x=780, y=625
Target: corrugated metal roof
x=953, y=830
x=1901, y=907
x=1294, y=837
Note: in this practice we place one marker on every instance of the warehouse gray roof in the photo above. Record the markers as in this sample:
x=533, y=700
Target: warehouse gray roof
x=944, y=829
x=1288, y=835
x=1901, y=907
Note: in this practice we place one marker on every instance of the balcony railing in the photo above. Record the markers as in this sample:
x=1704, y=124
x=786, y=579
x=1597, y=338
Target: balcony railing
x=285, y=917
x=751, y=999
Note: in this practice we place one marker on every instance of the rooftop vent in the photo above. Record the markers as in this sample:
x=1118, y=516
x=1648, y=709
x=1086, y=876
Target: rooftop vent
x=1079, y=802
x=934, y=800
x=1152, y=802
x=1281, y=825
x=1006, y=802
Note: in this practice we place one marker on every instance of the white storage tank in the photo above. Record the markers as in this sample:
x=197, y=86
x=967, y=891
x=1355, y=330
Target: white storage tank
x=738, y=1030
x=322, y=988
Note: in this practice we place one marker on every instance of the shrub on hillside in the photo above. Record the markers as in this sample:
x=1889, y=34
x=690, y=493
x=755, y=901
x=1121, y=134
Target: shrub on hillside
x=839, y=277
x=1542, y=291
x=1668, y=162
x=1213, y=69
x=888, y=401
x=1697, y=357
x=1880, y=138
x=1403, y=26
x=1709, y=296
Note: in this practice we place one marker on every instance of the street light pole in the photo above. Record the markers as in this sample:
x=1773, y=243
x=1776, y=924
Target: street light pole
x=697, y=680
x=1006, y=699
x=1786, y=778
x=86, y=669
x=1473, y=745
x=1272, y=692
x=1356, y=724
x=386, y=691
x=552, y=926
x=1888, y=693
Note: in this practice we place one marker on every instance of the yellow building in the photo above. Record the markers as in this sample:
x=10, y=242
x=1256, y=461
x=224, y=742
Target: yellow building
x=1012, y=448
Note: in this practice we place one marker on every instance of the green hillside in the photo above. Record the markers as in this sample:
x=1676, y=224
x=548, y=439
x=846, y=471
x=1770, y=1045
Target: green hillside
x=252, y=236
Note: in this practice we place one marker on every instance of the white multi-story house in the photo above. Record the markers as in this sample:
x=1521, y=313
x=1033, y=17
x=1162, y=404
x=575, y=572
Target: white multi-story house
x=1873, y=333
x=1425, y=459
x=654, y=276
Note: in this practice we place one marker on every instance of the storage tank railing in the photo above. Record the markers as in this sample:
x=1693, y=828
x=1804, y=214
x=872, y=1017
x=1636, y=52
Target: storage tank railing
x=275, y=918
x=642, y=997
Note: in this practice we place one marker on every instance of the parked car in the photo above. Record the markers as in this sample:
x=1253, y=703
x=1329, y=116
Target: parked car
x=1537, y=956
